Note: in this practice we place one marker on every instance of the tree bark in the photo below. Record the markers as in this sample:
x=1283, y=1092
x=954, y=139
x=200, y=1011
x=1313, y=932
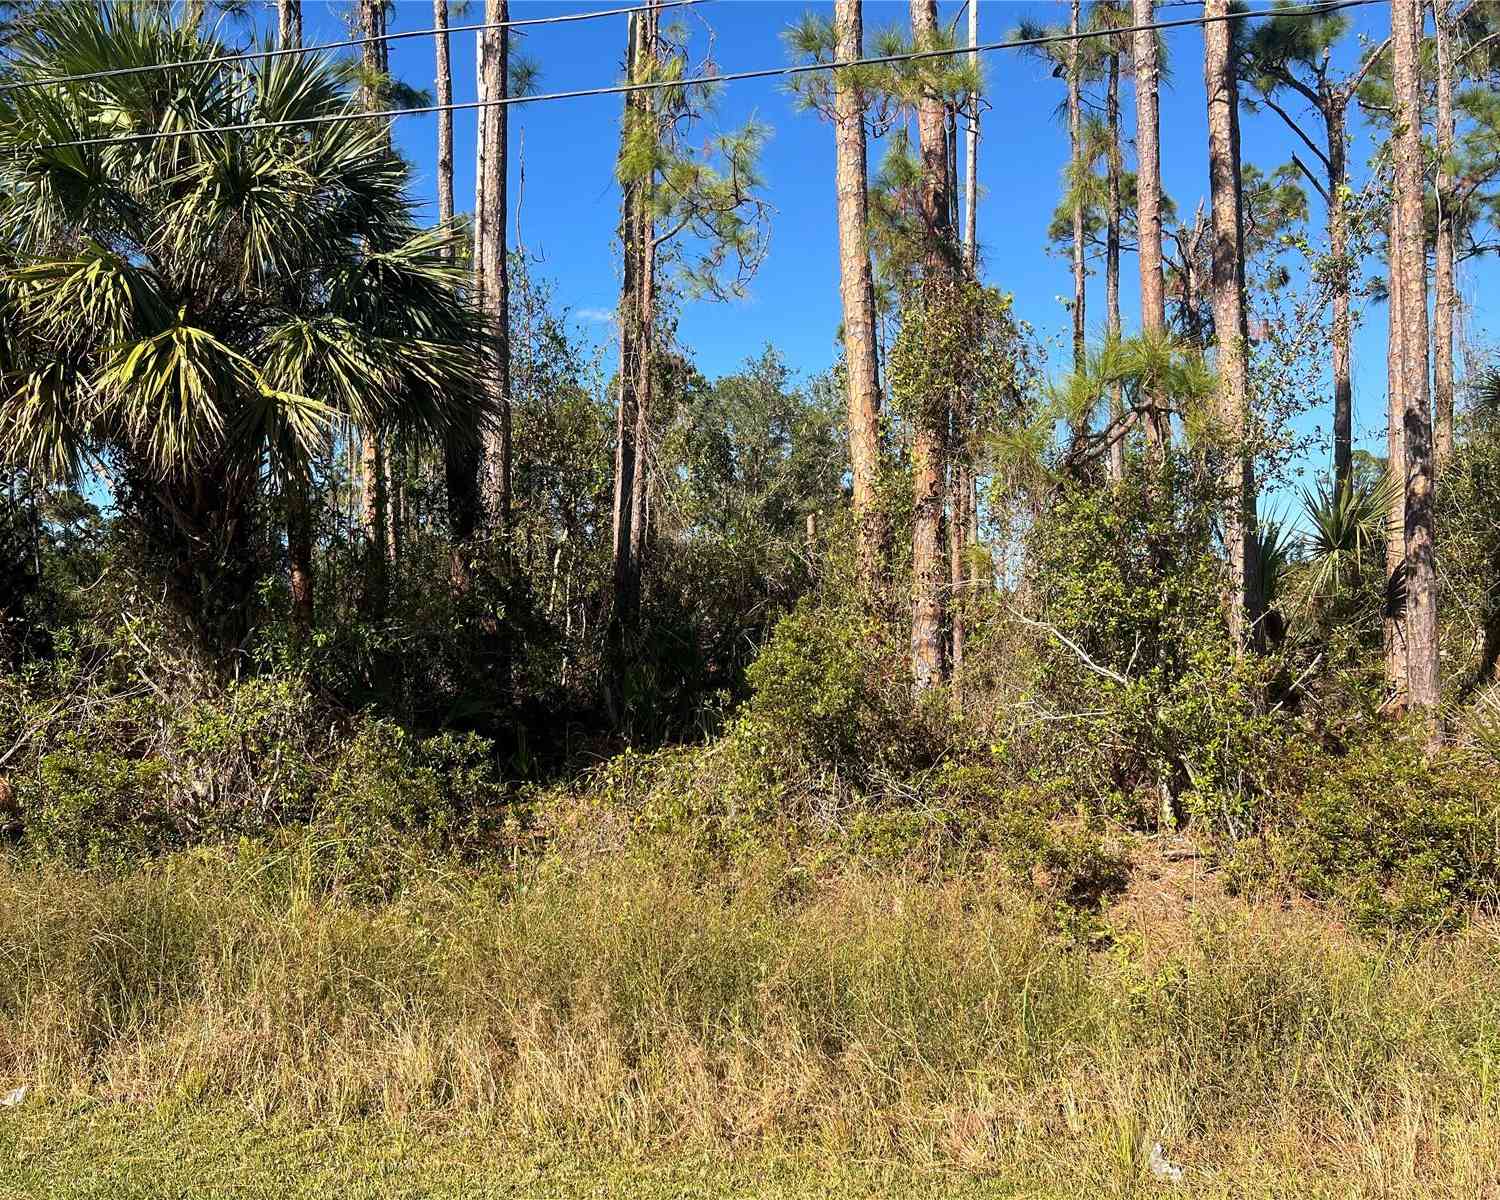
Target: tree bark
x=971, y=155
x=299, y=534
x=1228, y=281
x=374, y=494
x=443, y=86
x=493, y=264
x=931, y=422
x=1446, y=299
x=1421, y=581
x=1338, y=247
x=640, y=492
x=961, y=498
x=1395, y=543
x=625, y=581
x=461, y=448
x=857, y=288
x=1075, y=160
x=1148, y=202
x=289, y=23
x=1112, y=255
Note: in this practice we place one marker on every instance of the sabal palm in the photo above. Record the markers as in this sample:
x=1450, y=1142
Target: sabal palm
x=199, y=308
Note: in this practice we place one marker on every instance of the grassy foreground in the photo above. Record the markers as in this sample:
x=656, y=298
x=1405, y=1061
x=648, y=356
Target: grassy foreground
x=657, y=1026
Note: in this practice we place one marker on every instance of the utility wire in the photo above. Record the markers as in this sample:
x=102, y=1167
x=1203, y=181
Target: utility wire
x=727, y=77
x=278, y=52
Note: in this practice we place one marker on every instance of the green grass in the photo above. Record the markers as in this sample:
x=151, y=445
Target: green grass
x=661, y=1025
x=114, y=1153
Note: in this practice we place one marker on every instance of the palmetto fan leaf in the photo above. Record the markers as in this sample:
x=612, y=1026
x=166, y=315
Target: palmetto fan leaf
x=174, y=394
x=1277, y=548
x=217, y=294
x=1347, y=529
x=95, y=298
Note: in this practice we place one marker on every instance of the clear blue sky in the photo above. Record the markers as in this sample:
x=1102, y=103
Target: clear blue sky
x=571, y=202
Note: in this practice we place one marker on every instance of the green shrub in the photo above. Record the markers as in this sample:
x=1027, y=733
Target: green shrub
x=395, y=800
x=97, y=806
x=1396, y=837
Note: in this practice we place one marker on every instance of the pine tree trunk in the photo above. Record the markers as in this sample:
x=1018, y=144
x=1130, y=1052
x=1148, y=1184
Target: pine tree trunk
x=443, y=84
x=645, y=365
x=1421, y=581
x=931, y=422
x=493, y=263
x=1229, y=320
x=971, y=156
x=972, y=573
x=640, y=492
x=1148, y=202
x=961, y=471
x=1395, y=544
x=1112, y=255
x=1075, y=159
x=288, y=23
x=461, y=448
x=375, y=497
x=1446, y=299
x=857, y=288
x=1338, y=247
x=632, y=201
x=299, y=534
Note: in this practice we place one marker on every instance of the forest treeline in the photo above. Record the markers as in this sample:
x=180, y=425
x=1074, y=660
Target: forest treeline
x=319, y=514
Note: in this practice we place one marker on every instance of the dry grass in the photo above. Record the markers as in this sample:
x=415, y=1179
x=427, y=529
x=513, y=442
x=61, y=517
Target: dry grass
x=642, y=1006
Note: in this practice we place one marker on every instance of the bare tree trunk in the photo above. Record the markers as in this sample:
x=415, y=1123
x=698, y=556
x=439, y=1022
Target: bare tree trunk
x=857, y=288
x=1395, y=544
x=1075, y=160
x=1148, y=201
x=930, y=425
x=1421, y=581
x=645, y=313
x=640, y=491
x=961, y=471
x=493, y=264
x=632, y=202
x=970, y=487
x=444, y=87
x=461, y=449
x=1229, y=319
x=971, y=155
x=299, y=534
x=1338, y=247
x=1446, y=299
x=375, y=506
x=299, y=545
x=288, y=23
x=1112, y=255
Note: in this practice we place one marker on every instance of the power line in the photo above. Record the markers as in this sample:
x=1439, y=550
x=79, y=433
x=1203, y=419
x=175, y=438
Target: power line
x=727, y=77
x=278, y=52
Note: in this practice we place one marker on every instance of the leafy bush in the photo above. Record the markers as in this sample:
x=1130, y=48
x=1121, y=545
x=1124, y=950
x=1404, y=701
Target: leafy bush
x=1118, y=673
x=394, y=800
x=1396, y=837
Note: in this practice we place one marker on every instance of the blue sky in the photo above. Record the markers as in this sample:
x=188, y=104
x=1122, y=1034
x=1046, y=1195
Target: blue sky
x=570, y=206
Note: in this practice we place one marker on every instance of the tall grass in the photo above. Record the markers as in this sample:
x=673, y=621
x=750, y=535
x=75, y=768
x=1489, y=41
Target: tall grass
x=639, y=1004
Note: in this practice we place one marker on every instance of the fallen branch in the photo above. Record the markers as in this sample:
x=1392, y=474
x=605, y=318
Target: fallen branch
x=1082, y=654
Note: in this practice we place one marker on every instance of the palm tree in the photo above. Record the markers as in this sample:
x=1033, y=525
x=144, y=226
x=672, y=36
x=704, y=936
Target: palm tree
x=189, y=313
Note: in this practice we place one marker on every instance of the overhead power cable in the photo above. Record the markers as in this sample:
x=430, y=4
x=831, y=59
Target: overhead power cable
x=283, y=51
x=726, y=77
